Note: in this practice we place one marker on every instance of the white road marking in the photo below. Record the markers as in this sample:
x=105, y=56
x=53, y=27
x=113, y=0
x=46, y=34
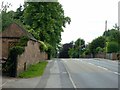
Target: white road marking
x=70, y=78
x=116, y=73
x=64, y=72
x=103, y=68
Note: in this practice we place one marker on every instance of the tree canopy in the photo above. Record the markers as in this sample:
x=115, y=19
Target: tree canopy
x=77, y=48
x=44, y=20
x=98, y=42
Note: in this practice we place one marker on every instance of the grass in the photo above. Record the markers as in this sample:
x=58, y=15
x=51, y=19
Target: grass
x=34, y=70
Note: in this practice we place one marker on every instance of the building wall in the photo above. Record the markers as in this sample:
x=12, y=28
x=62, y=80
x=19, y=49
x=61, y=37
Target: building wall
x=6, y=44
x=13, y=31
x=30, y=56
x=0, y=49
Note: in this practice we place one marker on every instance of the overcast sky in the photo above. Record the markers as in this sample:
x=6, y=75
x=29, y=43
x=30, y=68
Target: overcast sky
x=87, y=17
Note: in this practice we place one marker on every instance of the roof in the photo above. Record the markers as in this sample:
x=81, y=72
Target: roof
x=15, y=31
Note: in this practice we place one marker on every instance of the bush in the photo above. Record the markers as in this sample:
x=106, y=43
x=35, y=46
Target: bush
x=49, y=51
x=112, y=47
x=43, y=46
x=10, y=65
x=99, y=50
x=23, y=41
x=16, y=50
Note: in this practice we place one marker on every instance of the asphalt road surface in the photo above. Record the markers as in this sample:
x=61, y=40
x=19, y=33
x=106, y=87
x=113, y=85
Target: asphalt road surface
x=72, y=73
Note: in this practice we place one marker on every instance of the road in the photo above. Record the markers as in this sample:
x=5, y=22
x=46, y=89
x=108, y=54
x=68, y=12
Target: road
x=73, y=73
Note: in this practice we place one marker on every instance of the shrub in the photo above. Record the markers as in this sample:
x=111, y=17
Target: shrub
x=43, y=46
x=99, y=50
x=23, y=41
x=10, y=65
x=112, y=47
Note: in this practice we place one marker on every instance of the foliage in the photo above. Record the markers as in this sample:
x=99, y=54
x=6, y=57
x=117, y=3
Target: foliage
x=34, y=70
x=98, y=42
x=64, y=52
x=112, y=35
x=46, y=21
x=16, y=50
x=13, y=53
x=79, y=45
x=19, y=14
x=112, y=47
x=7, y=19
x=99, y=50
x=113, y=39
x=77, y=48
x=12, y=57
x=86, y=51
x=43, y=46
x=49, y=51
x=23, y=41
x=71, y=52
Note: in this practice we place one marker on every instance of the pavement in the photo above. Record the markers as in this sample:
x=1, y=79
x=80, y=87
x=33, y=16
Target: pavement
x=72, y=73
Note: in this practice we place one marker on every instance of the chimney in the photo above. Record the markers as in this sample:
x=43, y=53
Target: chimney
x=106, y=25
x=119, y=13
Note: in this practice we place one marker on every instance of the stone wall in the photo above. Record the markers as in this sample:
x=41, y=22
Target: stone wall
x=30, y=56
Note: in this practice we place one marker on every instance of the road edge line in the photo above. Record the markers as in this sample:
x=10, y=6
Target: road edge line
x=74, y=86
x=103, y=68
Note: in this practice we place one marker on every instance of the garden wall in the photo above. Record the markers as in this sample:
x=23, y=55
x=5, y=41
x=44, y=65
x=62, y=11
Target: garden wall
x=30, y=56
x=113, y=56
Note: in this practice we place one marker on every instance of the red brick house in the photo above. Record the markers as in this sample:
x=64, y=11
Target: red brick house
x=32, y=54
x=10, y=37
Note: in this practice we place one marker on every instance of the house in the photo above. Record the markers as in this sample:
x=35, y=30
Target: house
x=10, y=36
x=32, y=54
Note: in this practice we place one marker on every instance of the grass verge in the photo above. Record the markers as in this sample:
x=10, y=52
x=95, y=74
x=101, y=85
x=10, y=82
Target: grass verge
x=34, y=70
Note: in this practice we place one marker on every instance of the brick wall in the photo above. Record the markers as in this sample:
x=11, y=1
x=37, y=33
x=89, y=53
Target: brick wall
x=30, y=56
x=4, y=46
x=113, y=56
x=100, y=55
x=0, y=49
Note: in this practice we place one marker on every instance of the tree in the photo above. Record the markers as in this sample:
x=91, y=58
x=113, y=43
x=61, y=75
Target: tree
x=19, y=14
x=99, y=50
x=98, y=42
x=6, y=17
x=71, y=52
x=46, y=21
x=79, y=45
x=112, y=47
x=77, y=49
x=64, y=52
x=113, y=36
